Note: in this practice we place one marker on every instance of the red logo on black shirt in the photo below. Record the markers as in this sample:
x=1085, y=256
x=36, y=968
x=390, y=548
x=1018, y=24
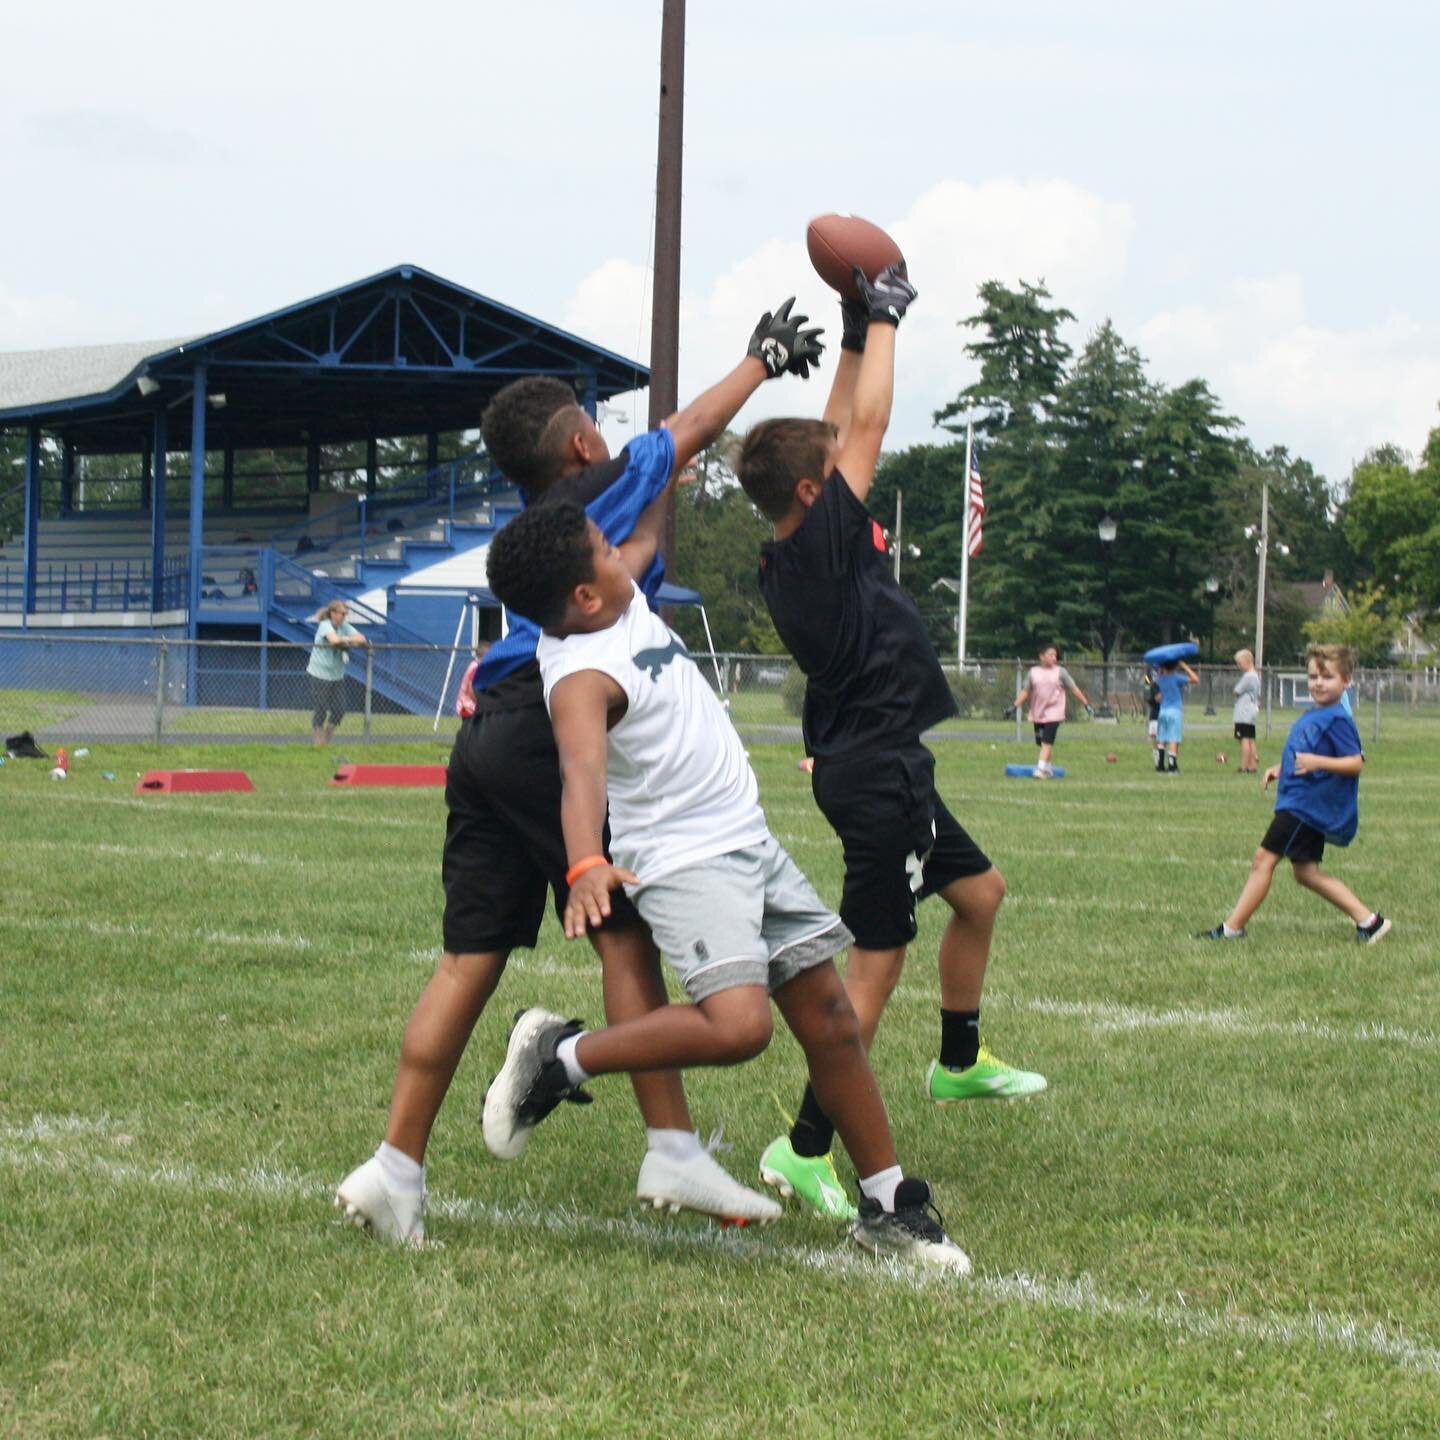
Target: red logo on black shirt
x=877, y=536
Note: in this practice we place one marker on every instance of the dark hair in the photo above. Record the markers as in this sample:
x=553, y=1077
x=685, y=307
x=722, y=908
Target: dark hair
x=536, y=561
x=776, y=455
x=522, y=432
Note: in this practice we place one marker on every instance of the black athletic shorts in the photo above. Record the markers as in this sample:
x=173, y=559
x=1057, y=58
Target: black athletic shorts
x=1045, y=733
x=1244, y=731
x=503, y=842
x=1291, y=837
x=900, y=842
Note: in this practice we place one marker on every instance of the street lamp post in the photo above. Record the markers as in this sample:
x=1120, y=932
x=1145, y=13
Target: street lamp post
x=958, y=590
x=1212, y=595
x=1106, y=530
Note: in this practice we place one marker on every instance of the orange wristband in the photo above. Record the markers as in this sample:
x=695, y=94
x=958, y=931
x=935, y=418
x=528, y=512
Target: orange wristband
x=581, y=866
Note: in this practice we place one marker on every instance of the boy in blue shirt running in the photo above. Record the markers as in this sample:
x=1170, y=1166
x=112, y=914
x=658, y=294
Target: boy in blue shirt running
x=1316, y=800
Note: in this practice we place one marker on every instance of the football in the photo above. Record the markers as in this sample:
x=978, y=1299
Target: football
x=1222, y=757
x=1111, y=758
x=838, y=243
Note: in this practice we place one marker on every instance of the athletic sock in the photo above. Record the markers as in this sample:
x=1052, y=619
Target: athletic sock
x=674, y=1144
x=401, y=1171
x=1231, y=934
x=882, y=1186
x=959, y=1038
x=575, y=1072
x=812, y=1134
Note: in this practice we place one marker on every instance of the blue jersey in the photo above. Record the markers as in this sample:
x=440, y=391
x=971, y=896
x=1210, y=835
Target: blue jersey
x=1328, y=802
x=1172, y=688
x=649, y=460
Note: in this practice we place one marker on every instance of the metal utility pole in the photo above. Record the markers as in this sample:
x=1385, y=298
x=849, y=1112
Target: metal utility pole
x=665, y=301
x=1264, y=549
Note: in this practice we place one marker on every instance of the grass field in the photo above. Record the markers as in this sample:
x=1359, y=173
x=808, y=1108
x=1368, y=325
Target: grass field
x=1222, y=1219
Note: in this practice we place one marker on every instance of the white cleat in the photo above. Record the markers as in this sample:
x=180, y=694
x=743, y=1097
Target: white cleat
x=700, y=1184
x=370, y=1203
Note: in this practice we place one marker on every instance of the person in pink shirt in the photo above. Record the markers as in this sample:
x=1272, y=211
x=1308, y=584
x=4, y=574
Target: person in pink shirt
x=1045, y=690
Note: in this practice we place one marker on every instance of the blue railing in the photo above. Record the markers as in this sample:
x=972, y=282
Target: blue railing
x=90, y=586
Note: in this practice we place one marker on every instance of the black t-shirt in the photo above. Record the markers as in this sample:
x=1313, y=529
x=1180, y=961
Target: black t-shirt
x=874, y=677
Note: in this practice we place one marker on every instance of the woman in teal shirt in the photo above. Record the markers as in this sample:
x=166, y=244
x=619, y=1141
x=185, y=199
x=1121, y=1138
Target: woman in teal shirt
x=334, y=636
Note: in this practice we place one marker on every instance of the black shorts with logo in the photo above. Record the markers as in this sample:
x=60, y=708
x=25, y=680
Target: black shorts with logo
x=1244, y=731
x=1046, y=731
x=1291, y=837
x=503, y=842
x=900, y=842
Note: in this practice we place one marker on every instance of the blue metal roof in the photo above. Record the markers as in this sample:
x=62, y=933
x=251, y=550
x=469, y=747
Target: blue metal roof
x=401, y=352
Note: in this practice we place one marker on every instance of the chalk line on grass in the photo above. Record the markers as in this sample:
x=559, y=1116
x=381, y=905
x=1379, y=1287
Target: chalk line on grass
x=37, y=1150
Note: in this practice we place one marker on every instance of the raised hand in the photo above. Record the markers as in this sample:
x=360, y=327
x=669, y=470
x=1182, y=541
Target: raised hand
x=854, y=321
x=888, y=295
x=782, y=346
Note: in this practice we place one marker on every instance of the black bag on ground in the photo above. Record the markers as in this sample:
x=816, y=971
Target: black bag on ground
x=23, y=746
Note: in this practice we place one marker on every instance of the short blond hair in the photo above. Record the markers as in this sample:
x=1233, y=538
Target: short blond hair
x=1245, y=654
x=1337, y=659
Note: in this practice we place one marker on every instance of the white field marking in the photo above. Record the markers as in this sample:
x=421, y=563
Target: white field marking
x=132, y=930
x=179, y=805
x=1074, y=1296
x=217, y=857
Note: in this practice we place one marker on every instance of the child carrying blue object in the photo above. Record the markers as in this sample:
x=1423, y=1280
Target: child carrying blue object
x=1173, y=679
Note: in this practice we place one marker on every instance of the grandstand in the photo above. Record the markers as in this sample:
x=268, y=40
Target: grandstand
x=228, y=485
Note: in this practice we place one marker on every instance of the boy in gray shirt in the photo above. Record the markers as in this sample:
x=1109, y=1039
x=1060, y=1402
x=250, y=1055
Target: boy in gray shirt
x=1247, y=710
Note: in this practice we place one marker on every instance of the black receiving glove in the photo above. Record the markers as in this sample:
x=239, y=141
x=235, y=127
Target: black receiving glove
x=781, y=346
x=855, y=320
x=887, y=296
x=1010, y=712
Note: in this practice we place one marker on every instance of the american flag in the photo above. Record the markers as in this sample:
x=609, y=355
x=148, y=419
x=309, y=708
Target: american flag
x=975, y=513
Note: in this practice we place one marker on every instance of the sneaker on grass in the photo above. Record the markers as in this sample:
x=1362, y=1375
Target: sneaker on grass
x=1218, y=933
x=989, y=1078
x=530, y=1084
x=699, y=1183
x=812, y=1178
x=1377, y=930
x=912, y=1231
x=371, y=1203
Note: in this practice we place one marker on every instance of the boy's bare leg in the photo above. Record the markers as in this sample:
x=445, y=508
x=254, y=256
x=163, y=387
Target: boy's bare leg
x=1257, y=887
x=435, y=1039
x=870, y=979
x=722, y=1029
x=1046, y=753
x=965, y=946
x=633, y=986
x=820, y=1016
x=1337, y=892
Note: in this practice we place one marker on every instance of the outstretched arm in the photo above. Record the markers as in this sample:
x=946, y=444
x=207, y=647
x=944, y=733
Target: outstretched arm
x=580, y=709
x=886, y=300
x=779, y=345
x=854, y=323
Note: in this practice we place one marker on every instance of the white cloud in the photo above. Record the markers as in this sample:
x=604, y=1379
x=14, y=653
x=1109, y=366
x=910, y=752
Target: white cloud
x=1328, y=394
x=954, y=236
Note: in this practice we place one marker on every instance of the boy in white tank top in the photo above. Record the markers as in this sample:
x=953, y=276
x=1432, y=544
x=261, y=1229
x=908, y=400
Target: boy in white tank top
x=636, y=724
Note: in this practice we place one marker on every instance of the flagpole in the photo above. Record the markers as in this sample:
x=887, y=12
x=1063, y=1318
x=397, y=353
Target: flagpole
x=965, y=550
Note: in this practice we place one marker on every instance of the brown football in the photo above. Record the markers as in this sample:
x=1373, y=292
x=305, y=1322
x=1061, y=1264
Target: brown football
x=838, y=243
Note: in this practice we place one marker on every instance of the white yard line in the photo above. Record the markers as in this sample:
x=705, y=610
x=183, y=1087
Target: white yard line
x=44, y=1145
x=223, y=857
x=181, y=805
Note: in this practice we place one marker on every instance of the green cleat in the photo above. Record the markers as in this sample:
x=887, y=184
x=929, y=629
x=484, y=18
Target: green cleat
x=987, y=1079
x=813, y=1179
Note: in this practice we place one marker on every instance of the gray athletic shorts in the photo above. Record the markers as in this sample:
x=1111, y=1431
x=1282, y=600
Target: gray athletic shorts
x=748, y=917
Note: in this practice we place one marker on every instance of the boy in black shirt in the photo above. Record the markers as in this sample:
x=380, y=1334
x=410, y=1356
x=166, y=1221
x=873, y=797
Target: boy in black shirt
x=874, y=686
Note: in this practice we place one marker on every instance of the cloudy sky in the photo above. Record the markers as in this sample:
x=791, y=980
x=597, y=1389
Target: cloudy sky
x=1248, y=190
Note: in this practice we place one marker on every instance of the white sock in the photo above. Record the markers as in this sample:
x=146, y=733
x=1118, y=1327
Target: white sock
x=1232, y=933
x=575, y=1072
x=675, y=1144
x=882, y=1186
x=401, y=1171
x=1369, y=920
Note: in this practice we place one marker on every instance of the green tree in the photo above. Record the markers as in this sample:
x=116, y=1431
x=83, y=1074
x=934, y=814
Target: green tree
x=1392, y=519
x=718, y=534
x=1022, y=369
x=1368, y=626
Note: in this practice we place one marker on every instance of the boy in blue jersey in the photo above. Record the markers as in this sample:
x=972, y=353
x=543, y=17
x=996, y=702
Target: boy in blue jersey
x=1172, y=680
x=1316, y=800
x=503, y=841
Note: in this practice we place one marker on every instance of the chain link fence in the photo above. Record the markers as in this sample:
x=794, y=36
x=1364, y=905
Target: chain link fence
x=70, y=689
